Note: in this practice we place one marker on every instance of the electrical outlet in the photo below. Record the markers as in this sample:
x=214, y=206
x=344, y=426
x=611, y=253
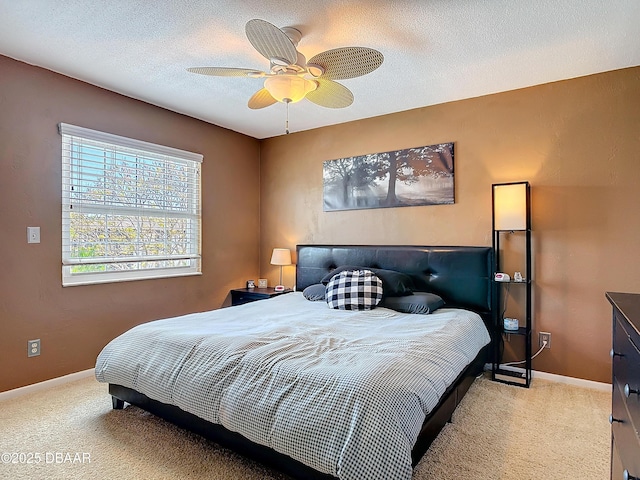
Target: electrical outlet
x=33, y=348
x=542, y=337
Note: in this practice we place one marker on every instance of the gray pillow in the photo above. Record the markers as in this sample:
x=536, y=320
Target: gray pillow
x=315, y=292
x=419, y=302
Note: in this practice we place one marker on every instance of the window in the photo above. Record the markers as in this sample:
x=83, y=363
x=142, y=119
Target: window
x=130, y=209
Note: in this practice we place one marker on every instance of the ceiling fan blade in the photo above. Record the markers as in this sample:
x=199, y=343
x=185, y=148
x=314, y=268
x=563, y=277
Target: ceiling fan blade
x=347, y=62
x=270, y=41
x=330, y=94
x=226, y=72
x=262, y=98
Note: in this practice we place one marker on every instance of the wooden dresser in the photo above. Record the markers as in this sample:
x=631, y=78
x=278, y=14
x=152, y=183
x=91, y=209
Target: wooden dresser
x=625, y=405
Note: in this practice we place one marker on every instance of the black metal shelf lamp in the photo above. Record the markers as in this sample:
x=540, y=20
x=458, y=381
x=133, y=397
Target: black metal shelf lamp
x=511, y=213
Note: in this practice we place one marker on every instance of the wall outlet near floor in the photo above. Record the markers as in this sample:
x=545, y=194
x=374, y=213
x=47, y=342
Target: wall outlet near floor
x=542, y=337
x=33, y=348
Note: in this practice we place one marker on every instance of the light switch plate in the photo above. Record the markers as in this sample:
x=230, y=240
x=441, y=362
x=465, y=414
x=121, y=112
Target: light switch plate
x=33, y=234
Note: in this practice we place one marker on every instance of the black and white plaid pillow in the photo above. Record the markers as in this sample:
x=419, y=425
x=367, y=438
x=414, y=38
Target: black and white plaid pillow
x=354, y=290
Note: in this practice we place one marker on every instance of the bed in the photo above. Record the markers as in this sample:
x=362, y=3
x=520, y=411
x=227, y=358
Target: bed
x=269, y=379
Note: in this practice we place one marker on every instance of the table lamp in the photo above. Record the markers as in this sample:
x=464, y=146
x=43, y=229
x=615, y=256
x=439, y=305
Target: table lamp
x=280, y=256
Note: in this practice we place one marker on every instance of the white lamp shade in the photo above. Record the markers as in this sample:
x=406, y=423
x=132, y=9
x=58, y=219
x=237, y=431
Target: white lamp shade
x=290, y=88
x=510, y=206
x=281, y=256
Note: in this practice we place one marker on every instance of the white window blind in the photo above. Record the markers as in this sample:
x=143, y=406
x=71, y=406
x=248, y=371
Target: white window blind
x=130, y=209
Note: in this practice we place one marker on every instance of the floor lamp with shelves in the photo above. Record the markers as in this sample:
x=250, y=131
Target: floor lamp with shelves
x=511, y=223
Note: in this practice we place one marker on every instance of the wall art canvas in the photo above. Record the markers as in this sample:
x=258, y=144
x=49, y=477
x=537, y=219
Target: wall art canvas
x=402, y=178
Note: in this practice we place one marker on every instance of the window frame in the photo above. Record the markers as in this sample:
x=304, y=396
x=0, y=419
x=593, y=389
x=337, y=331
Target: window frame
x=142, y=151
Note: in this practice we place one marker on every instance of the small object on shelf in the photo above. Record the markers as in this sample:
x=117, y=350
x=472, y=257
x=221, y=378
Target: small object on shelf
x=502, y=277
x=251, y=284
x=511, y=324
x=517, y=277
x=262, y=283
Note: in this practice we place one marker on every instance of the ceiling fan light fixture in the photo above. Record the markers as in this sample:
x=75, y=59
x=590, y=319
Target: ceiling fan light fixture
x=290, y=77
x=289, y=88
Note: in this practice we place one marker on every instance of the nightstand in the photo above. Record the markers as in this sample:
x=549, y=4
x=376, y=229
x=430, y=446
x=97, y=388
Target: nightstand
x=246, y=295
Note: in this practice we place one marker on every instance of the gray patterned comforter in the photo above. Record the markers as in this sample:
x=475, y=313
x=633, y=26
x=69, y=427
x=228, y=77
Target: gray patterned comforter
x=344, y=392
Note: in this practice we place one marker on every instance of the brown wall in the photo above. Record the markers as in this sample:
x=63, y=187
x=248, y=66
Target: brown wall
x=576, y=141
x=74, y=323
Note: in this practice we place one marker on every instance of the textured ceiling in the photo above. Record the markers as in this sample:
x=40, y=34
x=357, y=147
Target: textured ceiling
x=435, y=50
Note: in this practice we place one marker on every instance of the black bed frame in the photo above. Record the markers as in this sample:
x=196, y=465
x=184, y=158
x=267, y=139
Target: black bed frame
x=461, y=275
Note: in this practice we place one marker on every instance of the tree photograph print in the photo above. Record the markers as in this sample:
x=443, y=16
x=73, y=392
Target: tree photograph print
x=402, y=178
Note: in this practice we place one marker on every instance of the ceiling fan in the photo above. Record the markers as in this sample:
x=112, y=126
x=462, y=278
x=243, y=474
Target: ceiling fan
x=291, y=78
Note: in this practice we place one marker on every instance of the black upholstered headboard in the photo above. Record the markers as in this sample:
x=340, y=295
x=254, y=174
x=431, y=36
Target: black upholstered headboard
x=460, y=275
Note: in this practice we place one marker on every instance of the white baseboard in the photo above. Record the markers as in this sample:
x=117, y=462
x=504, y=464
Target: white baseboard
x=36, y=387
x=552, y=377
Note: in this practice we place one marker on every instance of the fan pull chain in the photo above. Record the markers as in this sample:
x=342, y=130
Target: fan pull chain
x=286, y=128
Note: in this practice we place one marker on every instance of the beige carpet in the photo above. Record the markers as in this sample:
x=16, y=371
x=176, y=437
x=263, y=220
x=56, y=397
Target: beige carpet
x=550, y=431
